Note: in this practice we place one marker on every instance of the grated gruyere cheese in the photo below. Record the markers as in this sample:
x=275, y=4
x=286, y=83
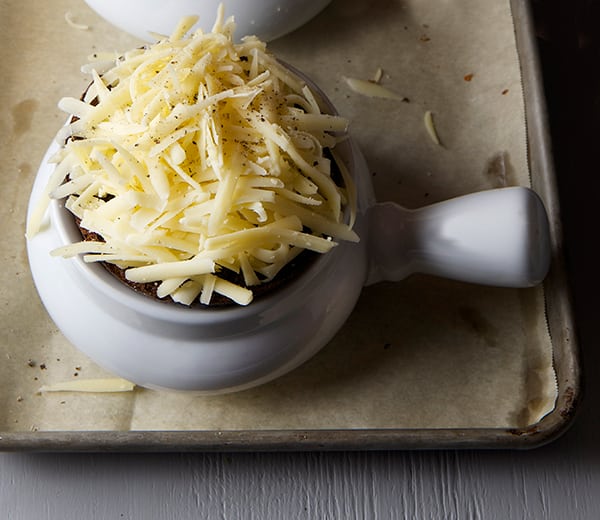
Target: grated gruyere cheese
x=370, y=88
x=430, y=127
x=69, y=19
x=198, y=154
x=104, y=385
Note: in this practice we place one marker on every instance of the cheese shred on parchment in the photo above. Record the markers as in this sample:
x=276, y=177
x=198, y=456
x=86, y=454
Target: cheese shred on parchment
x=104, y=385
x=371, y=88
x=197, y=154
x=430, y=127
x=69, y=19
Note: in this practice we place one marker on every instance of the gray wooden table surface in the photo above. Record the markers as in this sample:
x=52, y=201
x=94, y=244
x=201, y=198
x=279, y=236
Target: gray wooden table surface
x=557, y=481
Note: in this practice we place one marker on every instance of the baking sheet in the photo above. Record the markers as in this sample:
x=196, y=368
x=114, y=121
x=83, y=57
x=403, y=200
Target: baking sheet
x=422, y=355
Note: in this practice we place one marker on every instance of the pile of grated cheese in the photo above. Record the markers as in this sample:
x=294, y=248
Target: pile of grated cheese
x=198, y=154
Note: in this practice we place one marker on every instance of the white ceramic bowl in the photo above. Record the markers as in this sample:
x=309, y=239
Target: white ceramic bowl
x=267, y=19
x=161, y=345
x=495, y=237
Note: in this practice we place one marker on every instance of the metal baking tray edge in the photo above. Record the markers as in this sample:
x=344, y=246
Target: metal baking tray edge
x=559, y=316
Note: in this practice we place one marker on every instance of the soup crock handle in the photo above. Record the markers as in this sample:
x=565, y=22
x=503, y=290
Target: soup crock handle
x=497, y=237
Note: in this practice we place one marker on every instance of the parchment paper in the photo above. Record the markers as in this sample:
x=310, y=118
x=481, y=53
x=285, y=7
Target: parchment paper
x=421, y=353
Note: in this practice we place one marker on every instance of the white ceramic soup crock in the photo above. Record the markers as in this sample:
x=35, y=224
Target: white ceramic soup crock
x=267, y=19
x=496, y=237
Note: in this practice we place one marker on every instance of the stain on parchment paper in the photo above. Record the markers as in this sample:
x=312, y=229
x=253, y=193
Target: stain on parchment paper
x=540, y=378
x=480, y=325
x=500, y=171
x=24, y=169
x=22, y=115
